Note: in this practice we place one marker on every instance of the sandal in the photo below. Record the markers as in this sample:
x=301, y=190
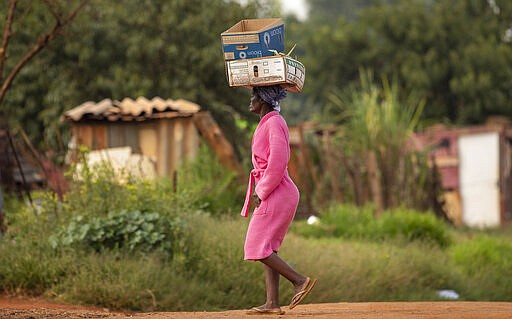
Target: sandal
x=262, y=311
x=297, y=299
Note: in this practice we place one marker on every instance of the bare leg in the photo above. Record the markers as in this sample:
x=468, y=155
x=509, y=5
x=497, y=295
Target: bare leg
x=272, y=287
x=278, y=265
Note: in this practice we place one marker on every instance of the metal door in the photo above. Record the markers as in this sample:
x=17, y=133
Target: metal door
x=479, y=179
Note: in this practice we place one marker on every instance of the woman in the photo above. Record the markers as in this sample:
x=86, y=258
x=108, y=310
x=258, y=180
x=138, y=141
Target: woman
x=277, y=198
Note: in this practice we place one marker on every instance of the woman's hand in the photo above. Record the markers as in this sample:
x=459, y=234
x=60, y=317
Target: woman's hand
x=256, y=199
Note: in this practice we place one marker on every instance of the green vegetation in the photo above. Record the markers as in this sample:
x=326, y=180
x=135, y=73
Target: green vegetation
x=488, y=260
x=135, y=230
x=456, y=54
x=208, y=273
x=177, y=245
x=375, y=126
x=152, y=248
x=121, y=49
x=400, y=225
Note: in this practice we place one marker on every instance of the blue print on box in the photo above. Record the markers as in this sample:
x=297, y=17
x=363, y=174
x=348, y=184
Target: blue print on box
x=237, y=46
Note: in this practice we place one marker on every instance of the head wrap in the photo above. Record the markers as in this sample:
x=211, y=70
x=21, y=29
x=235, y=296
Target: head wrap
x=271, y=94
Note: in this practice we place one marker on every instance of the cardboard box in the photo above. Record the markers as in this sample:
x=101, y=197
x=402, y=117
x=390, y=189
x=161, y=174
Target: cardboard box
x=253, y=38
x=267, y=71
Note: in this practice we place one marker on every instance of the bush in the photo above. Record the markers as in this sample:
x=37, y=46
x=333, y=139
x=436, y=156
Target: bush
x=347, y=221
x=134, y=230
x=351, y=222
x=209, y=186
x=410, y=226
x=100, y=193
x=482, y=252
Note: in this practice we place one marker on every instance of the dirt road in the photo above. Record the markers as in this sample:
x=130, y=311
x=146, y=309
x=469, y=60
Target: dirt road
x=35, y=309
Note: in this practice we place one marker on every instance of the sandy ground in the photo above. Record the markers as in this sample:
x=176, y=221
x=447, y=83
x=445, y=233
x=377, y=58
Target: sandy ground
x=24, y=308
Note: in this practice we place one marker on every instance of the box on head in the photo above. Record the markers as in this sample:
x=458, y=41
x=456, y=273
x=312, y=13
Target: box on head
x=279, y=69
x=253, y=38
x=253, y=54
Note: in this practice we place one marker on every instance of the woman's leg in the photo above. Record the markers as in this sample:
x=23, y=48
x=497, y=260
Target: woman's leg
x=272, y=287
x=278, y=265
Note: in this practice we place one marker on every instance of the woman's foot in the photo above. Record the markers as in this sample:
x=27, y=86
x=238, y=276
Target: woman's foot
x=299, y=286
x=301, y=291
x=265, y=309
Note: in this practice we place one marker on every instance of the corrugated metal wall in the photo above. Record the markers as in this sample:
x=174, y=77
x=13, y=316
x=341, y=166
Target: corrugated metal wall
x=167, y=142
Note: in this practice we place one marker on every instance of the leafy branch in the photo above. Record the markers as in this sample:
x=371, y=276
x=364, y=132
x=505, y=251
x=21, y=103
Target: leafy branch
x=61, y=21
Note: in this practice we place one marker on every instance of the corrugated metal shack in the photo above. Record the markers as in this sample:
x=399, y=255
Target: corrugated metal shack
x=161, y=130
x=475, y=164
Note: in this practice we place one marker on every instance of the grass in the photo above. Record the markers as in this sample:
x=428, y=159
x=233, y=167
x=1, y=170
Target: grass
x=403, y=256
x=358, y=271
x=209, y=273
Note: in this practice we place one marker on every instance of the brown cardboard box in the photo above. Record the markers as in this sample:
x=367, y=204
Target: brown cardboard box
x=279, y=69
x=253, y=38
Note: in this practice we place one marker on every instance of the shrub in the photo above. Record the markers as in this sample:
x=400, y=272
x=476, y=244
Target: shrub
x=102, y=192
x=208, y=185
x=347, y=221
x=130, y=230
x=208, y=273
x=410, y=225
x=483, y=251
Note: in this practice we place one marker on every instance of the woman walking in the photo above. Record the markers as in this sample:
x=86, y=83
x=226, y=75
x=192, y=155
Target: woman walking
x=277, y=198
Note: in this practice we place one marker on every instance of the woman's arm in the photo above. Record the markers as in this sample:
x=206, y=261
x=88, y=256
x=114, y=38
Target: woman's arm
x=279, y=154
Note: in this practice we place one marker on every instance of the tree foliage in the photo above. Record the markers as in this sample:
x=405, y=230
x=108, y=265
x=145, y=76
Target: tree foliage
x=457, y=54
x=51, y=17
x=129, y=48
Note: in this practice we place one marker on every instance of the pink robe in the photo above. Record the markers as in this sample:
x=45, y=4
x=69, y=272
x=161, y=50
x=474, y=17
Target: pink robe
x=279, y=195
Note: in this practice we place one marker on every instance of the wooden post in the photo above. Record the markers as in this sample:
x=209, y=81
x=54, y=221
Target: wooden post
x=375, y=182
x=331, y=167
x=298, y=167
x=163, y=159
x=307, y=159
x=20, y=168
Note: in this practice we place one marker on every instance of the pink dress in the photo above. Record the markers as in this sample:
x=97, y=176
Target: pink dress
x=279, y=195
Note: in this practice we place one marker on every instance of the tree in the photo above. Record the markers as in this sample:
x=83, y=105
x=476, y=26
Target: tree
x=62, y=18
x=331, y=10
x=454, y=53
x=130, y=48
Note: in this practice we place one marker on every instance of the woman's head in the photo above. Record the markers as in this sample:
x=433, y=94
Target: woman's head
x=271, y=95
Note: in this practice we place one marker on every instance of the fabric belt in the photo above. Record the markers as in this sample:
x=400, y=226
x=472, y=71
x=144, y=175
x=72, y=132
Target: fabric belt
x=255, y=173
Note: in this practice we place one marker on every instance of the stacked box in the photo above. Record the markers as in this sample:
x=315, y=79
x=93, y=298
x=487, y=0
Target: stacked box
x=253, y=38
x=253, y=56
x=280, y=69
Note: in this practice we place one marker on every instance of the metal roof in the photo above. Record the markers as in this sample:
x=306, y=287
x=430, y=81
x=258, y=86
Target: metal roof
x=131, y=110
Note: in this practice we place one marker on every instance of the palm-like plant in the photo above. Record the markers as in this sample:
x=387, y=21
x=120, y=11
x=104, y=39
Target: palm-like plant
x=375, y=124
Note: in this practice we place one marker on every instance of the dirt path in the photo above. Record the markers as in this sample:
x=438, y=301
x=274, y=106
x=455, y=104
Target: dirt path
x=15, y=308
